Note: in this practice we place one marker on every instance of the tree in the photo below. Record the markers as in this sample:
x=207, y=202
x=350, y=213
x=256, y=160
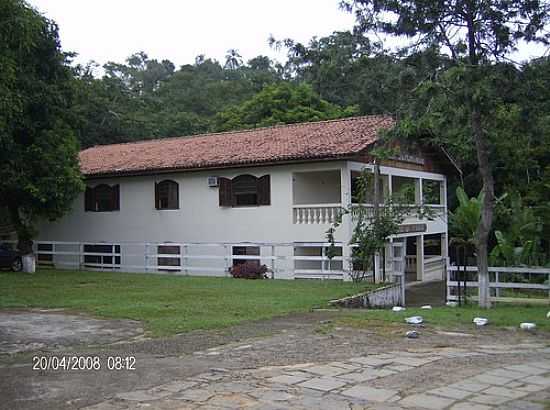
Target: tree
x=475, y=33
x=233, y=59
x=39, y=176
x=282, y=103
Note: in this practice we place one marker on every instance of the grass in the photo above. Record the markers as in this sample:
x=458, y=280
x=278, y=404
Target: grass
x=168, y=304
x=448, y=318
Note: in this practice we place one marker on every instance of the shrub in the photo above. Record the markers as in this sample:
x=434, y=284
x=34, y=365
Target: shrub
x=249, y=270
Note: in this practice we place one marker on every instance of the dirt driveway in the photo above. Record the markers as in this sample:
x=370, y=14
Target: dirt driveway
x=298, y=361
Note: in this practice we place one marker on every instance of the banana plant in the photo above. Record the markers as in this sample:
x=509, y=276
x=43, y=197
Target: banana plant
x=463, y=222
x=520, y=243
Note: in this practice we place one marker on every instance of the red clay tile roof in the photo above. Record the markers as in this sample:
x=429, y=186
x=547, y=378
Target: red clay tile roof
x=295, y=142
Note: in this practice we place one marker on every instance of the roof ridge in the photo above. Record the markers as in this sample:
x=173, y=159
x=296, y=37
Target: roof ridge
x=244, y=131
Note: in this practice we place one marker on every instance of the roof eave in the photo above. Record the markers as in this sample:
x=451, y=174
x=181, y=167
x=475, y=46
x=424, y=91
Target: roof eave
x=145, y=172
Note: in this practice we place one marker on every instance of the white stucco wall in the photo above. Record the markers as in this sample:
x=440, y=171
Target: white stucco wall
x=321, y=187
x=199, y=219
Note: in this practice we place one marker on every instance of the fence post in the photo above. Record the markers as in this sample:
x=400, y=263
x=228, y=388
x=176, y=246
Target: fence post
x=448, y=282
x=346, y=262
x=497, y=288
x=272, y=261
x=323, y=254
x=228, y=258
x=402, y=282
x=81, y=257
x=183, y=260
x=146, y=258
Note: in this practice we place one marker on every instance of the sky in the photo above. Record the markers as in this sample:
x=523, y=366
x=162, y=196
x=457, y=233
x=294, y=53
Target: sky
x=180, y=30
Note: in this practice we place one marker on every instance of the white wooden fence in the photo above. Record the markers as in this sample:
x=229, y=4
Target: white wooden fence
x=507, y=284
x=284, y=260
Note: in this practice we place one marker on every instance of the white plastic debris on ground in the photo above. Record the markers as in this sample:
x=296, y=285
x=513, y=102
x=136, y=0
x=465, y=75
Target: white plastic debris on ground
x=426, y=307
x=480, y=321
x=452, y=304
x=398, y=308
x=412, y=334
x=414, y=320
x=548, y=315
x=527, y=326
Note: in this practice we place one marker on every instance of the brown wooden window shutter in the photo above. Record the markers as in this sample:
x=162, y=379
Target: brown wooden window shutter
x=173, y=195
x=116, y=197
x=157, y=206
x=264, y=190
x=89, y=200
x=225, y=192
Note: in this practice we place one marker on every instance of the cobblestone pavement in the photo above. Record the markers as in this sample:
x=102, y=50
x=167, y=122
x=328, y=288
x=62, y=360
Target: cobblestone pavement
x=373, y=381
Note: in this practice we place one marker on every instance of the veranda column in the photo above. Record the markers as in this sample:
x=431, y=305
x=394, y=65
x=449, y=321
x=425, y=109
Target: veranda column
x=347, y=223
x=419, y=257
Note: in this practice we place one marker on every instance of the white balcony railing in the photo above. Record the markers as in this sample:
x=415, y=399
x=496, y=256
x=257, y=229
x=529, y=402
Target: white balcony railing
x=327, y=213
x=316, y=214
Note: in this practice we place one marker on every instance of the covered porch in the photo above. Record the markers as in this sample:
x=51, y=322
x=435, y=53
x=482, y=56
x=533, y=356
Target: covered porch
x=319, y=195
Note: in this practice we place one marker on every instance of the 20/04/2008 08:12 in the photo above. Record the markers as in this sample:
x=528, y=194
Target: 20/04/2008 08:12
x=75, y=362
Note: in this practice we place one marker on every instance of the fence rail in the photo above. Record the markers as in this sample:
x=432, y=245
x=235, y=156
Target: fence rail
x=506, y=284
x=284, y=260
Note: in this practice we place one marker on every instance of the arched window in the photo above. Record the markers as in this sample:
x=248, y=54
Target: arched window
x=102, y=198
x=167, y=195
x=245, y=190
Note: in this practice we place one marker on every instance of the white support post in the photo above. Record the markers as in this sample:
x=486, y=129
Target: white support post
x=420, y=193
x=347, y=223
x=420, y=257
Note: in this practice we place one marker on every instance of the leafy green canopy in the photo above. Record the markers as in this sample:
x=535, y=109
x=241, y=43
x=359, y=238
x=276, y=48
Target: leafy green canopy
x=39, y=176
x=284, y=103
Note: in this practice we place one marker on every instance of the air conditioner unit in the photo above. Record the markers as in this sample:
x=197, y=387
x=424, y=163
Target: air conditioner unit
x=213, y=181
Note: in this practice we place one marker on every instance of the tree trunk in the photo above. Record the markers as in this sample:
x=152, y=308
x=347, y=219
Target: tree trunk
x=24, y=235
x=484, y=227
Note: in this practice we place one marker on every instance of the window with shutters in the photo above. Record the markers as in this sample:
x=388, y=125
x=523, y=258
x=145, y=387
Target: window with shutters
x=167, y=195
x=245, y=190
x=102, y=198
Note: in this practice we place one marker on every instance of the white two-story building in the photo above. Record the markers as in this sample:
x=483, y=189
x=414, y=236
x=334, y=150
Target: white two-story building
x=199, y=204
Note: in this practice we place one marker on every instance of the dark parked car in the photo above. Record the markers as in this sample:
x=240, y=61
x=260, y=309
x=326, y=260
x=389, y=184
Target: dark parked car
x=10, y=259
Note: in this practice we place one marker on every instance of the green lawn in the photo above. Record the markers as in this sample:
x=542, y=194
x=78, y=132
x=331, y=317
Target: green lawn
x=459, y=318
x=168, y=304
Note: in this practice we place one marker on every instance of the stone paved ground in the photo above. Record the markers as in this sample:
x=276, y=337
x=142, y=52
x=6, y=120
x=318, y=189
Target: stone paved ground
x=363, y=382
x=304, y=361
